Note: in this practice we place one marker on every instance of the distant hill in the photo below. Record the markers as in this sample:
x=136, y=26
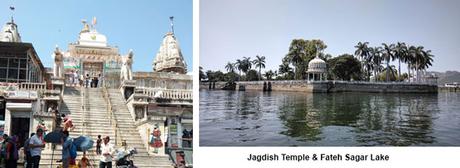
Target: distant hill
x=447, y=77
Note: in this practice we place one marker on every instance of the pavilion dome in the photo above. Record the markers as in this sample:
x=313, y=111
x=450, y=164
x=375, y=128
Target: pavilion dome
x=169, y=57
x=317, y=65
x=9, y=33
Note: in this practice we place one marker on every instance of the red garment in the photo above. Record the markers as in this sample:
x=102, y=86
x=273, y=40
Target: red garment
x=156, y=139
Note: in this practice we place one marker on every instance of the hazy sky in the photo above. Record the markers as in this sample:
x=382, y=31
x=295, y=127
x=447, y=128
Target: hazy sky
x=231, y=29
x=139, y=25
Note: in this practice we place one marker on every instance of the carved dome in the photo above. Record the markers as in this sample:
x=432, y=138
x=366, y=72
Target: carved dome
x=317, y=65
x=169, y=57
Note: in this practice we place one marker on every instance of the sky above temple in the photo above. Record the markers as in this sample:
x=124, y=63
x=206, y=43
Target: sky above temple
x=138, y=25
x=232, y=29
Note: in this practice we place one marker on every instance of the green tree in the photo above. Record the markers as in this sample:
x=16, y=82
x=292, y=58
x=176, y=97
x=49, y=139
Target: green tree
x=400, y=52
x=210, y=76
x=376, y=60
x=202, y=75
x=269, y=74
x=391, y=72
x=345, y=67
x=231, y=77
x=219, y=76
x=230, y=67
x=285, y=70
x=388, y=55
x=246, y=65
x=239, y=64
x=259, y=62
x=301, y=52
x=363, y=53
x=251, y=75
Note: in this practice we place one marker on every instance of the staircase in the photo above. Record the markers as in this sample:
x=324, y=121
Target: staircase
x=88, y=110
x=129, y=132
x=91, y=123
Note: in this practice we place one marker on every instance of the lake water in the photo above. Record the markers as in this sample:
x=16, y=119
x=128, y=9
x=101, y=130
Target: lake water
x=255, y=118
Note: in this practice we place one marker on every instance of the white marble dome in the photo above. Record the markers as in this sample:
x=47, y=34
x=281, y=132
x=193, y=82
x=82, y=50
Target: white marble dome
x=92, y=38
x=317, y=65
x=169, y=57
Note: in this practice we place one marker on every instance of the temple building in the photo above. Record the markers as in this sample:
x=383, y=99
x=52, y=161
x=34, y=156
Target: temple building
x=149, y=111
x=89, y=56
x=163, y=99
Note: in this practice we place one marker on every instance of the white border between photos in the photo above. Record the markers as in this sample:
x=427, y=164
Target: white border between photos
x=222, y=157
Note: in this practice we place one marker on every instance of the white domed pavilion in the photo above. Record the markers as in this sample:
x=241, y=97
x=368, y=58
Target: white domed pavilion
x=317, y=68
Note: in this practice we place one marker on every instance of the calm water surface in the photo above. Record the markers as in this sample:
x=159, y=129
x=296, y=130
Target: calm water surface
x=233, y=118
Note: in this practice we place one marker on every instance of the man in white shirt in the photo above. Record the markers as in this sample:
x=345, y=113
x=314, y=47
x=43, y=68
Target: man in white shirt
x=36, y=144
x=107, y=152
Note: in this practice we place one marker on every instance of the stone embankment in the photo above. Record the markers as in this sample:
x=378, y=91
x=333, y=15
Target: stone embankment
x=328, y=86
x=449, y=89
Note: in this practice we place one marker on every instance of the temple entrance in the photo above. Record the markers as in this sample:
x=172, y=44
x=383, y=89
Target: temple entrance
x=20, y=128
x=94, y=70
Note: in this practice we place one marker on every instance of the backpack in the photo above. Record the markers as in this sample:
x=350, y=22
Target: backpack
x=73, y=150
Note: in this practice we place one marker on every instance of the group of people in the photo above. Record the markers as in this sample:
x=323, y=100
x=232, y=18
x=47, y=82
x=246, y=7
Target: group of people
x=85, y=81
x=11, y=152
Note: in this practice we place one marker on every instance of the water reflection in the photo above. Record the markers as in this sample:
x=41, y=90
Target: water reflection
x=341, y=119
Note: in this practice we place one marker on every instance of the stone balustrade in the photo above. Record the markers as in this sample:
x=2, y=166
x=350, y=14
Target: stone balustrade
x=32, y=86
x=173, y=94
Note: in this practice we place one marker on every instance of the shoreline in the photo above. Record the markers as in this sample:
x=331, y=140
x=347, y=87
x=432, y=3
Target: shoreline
x=327, y=86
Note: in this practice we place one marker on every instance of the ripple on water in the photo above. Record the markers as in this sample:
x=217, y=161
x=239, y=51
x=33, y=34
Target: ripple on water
x=232, y=118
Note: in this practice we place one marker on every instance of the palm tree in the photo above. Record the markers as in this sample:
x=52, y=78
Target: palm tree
x=239, y=65
x=376, y=60
x=284, y=69
x=260, y=63
x=230, y=67
x=363, y=53
x=246, y=65
x=388, y=55
x=419, y=60
x=400, y=52
x=411, y=59
x=424, y=60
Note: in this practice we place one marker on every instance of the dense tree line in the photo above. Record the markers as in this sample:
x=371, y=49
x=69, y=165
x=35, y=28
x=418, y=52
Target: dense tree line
x=367, y=61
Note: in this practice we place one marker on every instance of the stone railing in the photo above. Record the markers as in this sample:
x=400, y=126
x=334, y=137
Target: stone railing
x=43, y=114
x=32, y=86
x=172, y=94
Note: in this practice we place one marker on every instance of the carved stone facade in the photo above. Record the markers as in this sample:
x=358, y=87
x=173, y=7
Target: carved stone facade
x=92, y=56
x=169, y=57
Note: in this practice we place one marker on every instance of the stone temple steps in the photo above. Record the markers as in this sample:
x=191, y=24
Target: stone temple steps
x=95, y=121
x=130, y=133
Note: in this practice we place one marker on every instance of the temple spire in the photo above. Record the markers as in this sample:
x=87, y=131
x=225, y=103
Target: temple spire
x=12, y=13
x=171, y=18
